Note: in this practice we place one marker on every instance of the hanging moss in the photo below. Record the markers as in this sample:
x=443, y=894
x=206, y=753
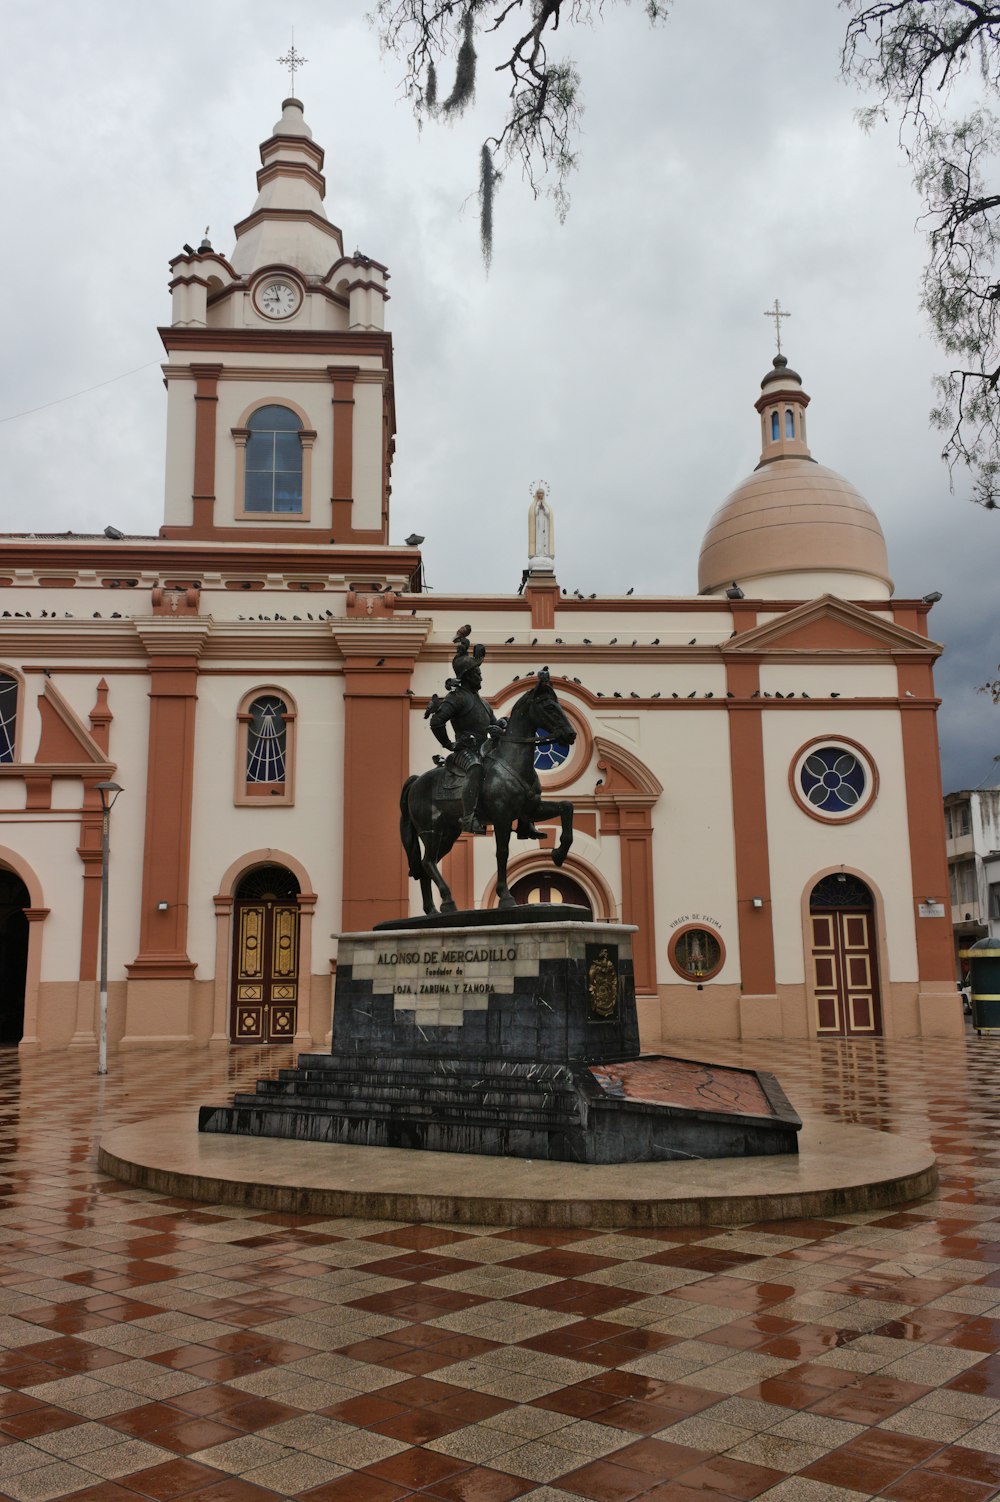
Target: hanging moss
x=464, y=90
x=488, y=180
x=431, y=91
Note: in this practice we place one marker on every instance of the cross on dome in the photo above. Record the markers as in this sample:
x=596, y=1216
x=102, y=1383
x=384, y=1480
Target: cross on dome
x=777, y=313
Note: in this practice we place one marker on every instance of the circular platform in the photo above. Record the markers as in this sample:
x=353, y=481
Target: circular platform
x=839, y=1169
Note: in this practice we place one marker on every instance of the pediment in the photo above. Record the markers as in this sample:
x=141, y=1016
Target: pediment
x=623, y=773
x=64, y=737
x=830, y=625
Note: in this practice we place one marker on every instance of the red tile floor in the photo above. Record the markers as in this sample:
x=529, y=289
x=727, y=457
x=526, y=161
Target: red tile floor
x=155, y=1348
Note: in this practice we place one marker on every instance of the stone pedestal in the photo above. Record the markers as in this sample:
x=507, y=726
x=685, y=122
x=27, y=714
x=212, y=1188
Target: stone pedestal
x=537, y=993
x=506, y=1033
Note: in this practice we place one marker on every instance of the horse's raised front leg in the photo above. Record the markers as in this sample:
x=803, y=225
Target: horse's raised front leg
x=502, y=834
x=564, y=811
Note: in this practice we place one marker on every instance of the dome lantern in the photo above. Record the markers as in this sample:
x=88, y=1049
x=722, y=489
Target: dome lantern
x=793, y=529
x=782, y=406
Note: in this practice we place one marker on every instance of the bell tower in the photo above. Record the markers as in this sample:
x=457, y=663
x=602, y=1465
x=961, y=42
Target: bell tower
x=280, y=416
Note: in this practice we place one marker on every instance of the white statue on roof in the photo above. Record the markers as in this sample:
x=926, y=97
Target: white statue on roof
x=541, y=532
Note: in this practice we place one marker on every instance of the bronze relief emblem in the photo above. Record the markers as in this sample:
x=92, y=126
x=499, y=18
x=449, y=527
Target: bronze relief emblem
x=602, y=981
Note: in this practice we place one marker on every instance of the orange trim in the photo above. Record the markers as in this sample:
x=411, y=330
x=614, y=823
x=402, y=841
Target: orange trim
x=925, y=821
x=753, y=867
x=280, y=341
x=342, y=378
x=206, y=400
x=833, y=740
x=376, y=764
x=675, y=938
x=63, y=737
x=176, y=552
x=637, y=895
x=625, y=801
x=89, y=851
x=101, y=717
x=542, y=597
x=173, y=649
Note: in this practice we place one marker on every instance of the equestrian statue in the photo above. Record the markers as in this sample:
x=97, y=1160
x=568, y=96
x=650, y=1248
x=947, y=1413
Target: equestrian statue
x=488, y=776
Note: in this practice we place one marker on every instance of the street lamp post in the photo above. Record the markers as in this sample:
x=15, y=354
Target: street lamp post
x=108, y=792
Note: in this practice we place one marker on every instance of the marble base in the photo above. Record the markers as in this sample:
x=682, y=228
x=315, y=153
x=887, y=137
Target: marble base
x=509, y=1039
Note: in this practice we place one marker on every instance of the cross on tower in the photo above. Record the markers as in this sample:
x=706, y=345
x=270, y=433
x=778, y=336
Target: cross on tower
x=292, y=60
x=777, y=313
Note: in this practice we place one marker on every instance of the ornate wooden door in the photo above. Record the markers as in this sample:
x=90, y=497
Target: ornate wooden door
x=265, y=967
x=845, y=973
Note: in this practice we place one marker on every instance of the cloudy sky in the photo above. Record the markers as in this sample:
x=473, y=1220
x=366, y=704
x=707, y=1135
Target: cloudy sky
x=616, y=356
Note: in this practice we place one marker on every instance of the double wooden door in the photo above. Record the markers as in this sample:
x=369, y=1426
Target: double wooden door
x=845, y=973
x=265, y=970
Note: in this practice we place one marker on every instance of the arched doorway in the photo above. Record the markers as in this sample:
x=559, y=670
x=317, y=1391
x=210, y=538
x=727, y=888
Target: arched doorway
x=14, y=898
x=265, y=990
x=844, y=958
x=545, y=886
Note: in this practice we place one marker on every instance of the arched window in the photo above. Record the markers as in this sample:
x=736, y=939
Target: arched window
x=775, y=428
x=272, y=480
x=8, y=716
x=267, y=740
x=265, y=748
x=789, y=423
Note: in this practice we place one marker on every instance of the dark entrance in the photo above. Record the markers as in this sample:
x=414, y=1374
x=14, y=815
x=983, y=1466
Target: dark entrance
x=265, y=994
x=844, y=958
x=541, y=886
x=14, y=899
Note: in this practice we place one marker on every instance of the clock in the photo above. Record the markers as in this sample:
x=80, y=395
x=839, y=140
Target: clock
x=277, y=298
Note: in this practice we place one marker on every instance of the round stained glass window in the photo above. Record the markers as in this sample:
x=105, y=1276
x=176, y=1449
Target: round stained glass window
x=833, y=780
x=549, y=754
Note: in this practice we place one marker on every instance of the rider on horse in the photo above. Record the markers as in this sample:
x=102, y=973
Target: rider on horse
x=475, y=726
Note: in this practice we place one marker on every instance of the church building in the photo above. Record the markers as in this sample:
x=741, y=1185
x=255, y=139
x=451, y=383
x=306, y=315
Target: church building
x=755, y=773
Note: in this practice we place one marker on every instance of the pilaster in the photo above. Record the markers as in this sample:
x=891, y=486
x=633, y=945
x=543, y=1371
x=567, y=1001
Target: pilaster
x=379, y=659
x=173, y=646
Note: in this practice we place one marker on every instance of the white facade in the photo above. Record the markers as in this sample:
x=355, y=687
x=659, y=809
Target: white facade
x=770, y=898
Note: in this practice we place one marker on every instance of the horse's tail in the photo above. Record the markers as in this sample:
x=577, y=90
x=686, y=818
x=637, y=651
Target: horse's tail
x=407, y=832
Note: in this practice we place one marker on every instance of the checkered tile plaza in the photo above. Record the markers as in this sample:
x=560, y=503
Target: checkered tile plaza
x=157, y=1348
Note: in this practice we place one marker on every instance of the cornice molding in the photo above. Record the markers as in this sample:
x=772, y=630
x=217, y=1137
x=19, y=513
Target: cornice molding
x=278, y=340
x=381, y=638
x=172, y=636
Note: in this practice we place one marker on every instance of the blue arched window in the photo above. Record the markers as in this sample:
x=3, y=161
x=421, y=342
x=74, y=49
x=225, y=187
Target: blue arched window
x=789, y=423
x=273, y=471
x=775, y=428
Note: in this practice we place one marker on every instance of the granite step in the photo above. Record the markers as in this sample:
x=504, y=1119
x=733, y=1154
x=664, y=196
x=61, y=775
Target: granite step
x=482, y=1112
x=417, y=1095
x=507, y=1136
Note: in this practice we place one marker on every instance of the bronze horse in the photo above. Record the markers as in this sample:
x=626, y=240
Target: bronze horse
x=511, y=791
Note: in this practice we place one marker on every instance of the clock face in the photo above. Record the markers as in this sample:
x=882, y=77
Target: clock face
x=277, y=298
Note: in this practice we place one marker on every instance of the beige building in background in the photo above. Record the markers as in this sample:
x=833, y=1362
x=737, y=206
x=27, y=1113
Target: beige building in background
x=755, y=775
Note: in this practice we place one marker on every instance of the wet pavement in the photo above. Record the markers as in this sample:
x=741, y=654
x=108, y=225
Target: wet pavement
x=151, y=1347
